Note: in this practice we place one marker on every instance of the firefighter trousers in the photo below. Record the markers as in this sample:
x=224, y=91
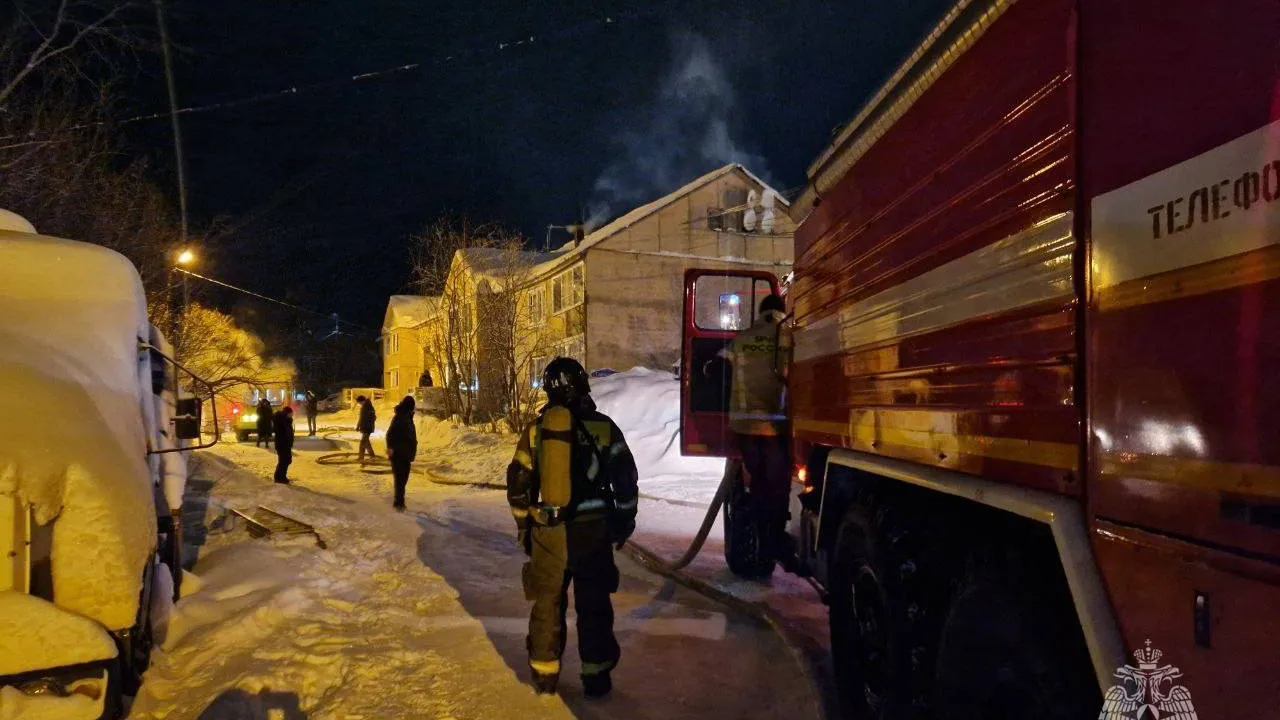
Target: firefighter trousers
x=767, y=459
x=577, y=554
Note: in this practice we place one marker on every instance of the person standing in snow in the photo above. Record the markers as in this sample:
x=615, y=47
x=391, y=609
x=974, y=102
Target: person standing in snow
x=757, y=415
x=284, y=443
x=402, y=448
x=365, y=426
x=264, y=423
x=572, y=491
x=313, y=408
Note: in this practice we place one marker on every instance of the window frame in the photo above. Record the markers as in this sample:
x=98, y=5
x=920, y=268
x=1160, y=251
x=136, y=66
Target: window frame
x=574, y=288
x=540, y=293
x=750, y=311
x=580, y=341
x=537, y=365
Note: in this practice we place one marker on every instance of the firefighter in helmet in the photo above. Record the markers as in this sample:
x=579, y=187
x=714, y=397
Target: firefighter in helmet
x=760, y=356
x=572, y=490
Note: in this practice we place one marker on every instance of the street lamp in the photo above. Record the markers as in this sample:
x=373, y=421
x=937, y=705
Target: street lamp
x=185, y=258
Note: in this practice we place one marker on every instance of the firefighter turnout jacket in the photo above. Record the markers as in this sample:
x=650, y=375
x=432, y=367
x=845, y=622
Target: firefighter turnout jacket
x=572, y=466
x=760, y=355
x=572, y=491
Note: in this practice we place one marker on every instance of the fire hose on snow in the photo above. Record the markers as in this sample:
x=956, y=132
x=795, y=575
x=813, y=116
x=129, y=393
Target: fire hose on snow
x=708, y=521
x=382, y=466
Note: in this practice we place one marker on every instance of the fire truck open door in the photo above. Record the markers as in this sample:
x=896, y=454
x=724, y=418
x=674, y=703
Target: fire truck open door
x=717, y=305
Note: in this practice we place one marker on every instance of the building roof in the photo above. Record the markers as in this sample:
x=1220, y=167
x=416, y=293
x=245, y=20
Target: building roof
x=563, y=254
x=409, y=310
x=498, y=266
x=644, y=211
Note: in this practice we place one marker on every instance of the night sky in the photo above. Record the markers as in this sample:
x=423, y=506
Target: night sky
x=316, y=193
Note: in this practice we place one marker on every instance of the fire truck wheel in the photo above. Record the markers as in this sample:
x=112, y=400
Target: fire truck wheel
x=744, y=550
x=884, y=614
x=1012, y=649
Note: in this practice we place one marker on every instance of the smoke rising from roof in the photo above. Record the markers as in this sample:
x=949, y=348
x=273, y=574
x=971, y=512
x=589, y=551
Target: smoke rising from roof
x=686, y=131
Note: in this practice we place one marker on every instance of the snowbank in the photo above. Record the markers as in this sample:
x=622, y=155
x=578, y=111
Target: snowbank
x=462, y=454
x=48, y=637
x=646, y=406
x=74, y=445
x=16, y=706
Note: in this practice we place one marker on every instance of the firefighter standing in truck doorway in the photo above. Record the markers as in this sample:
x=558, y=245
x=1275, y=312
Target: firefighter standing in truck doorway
x=757, y=415
x=572, y=490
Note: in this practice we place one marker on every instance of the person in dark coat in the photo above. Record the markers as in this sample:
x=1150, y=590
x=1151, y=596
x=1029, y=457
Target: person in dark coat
x=365, y=426
x=402, y=447
x=313, y=409
x=264, y=423
x=284, y=443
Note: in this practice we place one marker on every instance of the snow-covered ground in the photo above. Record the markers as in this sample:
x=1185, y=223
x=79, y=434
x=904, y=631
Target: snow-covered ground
x=419, y=615
x=675, y=490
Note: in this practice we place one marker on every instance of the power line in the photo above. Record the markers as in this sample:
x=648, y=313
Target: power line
x=597, y=23
x=269, y=299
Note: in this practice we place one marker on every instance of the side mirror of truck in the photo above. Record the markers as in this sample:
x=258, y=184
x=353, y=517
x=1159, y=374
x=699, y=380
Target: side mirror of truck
x=187, y=408
x=186, y=419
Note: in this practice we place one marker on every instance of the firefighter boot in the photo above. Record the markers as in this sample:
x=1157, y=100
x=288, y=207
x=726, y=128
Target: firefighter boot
x=597, y=685
x=545, y=683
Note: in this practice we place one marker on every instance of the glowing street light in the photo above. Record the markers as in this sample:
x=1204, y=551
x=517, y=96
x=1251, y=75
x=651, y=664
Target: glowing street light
x=186, y=257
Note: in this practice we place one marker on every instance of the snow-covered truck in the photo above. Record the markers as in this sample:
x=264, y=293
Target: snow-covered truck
x=92, y=472
x=1035, y=396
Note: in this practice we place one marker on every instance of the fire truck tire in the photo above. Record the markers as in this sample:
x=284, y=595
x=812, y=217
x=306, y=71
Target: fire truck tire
x=1011, y=648
x=885, y=612
x=744, y=551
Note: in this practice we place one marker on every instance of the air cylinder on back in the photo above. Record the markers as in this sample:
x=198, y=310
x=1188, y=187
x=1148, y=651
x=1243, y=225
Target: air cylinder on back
x=554, y=456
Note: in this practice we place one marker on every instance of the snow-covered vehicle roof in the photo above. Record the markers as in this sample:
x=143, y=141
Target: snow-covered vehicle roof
x=74, y=403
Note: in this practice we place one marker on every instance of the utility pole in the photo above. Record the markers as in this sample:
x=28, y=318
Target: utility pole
x=173, y=117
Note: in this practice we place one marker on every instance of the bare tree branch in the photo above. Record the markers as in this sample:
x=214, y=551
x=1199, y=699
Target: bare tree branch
x=92, y=26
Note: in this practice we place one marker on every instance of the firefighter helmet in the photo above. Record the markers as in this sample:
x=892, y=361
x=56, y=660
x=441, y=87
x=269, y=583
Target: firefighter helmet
x=772, y=302
x=564, y=379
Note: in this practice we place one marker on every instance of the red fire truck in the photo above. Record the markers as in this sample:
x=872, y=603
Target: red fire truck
x=1035, y=389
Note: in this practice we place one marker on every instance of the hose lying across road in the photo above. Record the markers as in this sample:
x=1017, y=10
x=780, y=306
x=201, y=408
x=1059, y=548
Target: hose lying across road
x=383, y=465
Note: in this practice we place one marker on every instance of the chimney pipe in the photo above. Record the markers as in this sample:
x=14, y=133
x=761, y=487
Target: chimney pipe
x=578, y=234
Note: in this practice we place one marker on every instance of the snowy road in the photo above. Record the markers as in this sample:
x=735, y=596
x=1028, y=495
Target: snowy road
x=420, y=615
